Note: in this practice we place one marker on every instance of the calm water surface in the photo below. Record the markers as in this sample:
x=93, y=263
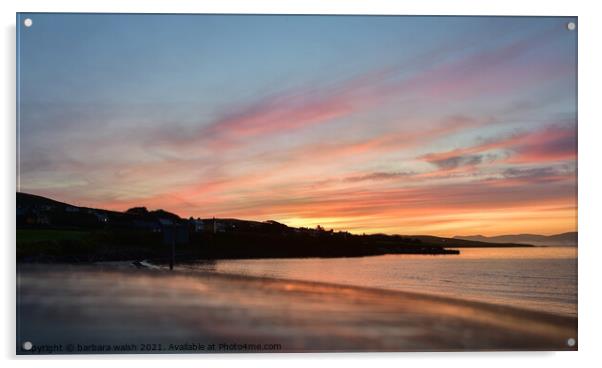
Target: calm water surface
x=543, y=279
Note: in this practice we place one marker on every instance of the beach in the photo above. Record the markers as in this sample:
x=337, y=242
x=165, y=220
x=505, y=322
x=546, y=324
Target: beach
x=116, y=308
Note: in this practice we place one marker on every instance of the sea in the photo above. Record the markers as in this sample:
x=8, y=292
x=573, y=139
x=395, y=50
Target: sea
x=536, y=278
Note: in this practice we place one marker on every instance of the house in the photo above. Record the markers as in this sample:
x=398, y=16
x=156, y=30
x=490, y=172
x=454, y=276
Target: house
x=165, y=222
x=197, y=225
x=34, y=217
x=215, y=227
x=152, y=226
x=101, y=217
x=43, y=219
x=21, y=211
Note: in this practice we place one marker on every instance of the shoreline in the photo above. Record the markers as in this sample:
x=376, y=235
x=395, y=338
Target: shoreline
x=301, y=315
x=164, y=260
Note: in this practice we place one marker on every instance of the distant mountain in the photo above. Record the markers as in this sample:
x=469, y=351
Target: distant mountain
x=562, y=240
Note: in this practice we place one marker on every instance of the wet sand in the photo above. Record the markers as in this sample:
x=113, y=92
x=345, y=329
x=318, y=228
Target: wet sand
x=89, y=309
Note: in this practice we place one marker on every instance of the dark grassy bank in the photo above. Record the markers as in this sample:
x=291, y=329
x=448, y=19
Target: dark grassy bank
x=59, y=245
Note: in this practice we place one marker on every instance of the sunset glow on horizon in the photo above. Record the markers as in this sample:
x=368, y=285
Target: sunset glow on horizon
x=409, y=125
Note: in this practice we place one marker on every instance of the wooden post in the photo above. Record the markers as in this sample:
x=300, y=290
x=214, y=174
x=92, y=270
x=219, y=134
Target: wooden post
x=173, y=247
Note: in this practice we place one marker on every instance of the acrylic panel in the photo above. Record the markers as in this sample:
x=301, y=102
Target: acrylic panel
x=206, y=183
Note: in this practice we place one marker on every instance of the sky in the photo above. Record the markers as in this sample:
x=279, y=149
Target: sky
x=409, y=125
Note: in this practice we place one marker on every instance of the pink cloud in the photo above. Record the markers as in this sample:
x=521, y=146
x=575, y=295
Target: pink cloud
x=551, y=143
x=302, y=108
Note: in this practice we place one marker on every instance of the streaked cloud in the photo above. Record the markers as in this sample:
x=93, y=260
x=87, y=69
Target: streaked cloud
x=469, y=128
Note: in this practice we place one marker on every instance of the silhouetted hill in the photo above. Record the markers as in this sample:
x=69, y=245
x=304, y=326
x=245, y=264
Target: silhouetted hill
x=49, y=230
x=565, y=239
x=26, y=199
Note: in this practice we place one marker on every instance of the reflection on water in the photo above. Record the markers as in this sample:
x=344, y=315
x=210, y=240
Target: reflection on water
x=104, y=305
x=543, y=278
